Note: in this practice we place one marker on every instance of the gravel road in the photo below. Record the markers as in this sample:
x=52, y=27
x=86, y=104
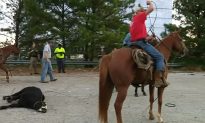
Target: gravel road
x=74, y=99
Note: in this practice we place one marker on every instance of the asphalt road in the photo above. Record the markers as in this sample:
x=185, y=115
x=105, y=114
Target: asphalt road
x=74, y=99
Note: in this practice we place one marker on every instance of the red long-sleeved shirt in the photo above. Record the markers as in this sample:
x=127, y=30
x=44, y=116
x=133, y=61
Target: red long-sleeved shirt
x=138, y=27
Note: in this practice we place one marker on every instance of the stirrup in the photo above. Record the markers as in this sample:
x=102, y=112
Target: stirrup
x=165, y=83
x=161, y=83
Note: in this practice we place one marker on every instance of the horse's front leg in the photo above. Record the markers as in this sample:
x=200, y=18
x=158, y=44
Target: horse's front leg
x=5, y=69
x=160, y=95
x=122, y=93
x=151, y=100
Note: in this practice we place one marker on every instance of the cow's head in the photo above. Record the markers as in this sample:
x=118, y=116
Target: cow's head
x=41, y=106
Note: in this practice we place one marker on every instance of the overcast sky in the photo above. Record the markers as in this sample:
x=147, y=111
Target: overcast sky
x=4, y=24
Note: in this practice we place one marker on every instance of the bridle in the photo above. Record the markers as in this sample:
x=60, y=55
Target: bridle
x=182, y=44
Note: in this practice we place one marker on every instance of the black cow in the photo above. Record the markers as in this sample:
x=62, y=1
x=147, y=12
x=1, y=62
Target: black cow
x=29, y=97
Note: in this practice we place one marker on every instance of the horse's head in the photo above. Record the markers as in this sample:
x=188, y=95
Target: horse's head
x=178, y=44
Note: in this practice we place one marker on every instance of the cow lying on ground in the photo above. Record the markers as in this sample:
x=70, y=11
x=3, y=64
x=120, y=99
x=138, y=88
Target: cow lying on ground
x=29, y=97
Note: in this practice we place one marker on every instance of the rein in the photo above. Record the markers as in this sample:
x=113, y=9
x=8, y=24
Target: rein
x=162, y=42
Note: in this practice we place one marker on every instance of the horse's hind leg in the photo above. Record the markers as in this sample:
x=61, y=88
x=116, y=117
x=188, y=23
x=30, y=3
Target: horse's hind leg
x=160, y=95
x=151, y=99
x=136, y=88
x=122, y=93
x=142, y=88
x=4, y=69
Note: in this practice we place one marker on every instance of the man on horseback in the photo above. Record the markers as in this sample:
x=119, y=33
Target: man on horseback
x=138, y=34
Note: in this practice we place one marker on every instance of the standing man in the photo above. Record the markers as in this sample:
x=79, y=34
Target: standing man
x=60, y=57
x=46, y=64
x=33, y=55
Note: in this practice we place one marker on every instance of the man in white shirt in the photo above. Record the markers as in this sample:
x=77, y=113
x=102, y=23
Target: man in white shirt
x=46, y=64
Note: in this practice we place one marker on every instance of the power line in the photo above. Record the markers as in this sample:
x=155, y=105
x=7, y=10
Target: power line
x=156, y=27
x=162, y=18
x=165, y=8
x=170, y=9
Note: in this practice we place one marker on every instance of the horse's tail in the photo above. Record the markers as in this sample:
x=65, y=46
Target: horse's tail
x=105, y=88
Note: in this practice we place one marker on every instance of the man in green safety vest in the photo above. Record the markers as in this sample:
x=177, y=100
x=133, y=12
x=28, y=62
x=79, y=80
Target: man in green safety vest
x=60, y=56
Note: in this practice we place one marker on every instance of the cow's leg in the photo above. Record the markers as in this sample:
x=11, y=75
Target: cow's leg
x=5, y=69
x=13, y=97
x=10, y=106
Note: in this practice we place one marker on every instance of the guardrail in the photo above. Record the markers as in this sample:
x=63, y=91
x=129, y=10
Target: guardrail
x=175, y=65
x=68, y=62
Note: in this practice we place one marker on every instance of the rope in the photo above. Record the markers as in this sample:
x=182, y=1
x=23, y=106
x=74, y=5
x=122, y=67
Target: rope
x=151, y=29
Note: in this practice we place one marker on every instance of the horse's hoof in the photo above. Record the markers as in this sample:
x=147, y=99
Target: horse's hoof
x=136, y=95
x=151, y=116
x=160, y=120
x=144, y=94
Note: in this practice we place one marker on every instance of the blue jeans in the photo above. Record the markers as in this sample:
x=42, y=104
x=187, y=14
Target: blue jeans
x=127, y=40
x=154, y=53
x=46, y=68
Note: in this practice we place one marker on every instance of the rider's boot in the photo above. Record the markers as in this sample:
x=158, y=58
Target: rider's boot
x=159, y=79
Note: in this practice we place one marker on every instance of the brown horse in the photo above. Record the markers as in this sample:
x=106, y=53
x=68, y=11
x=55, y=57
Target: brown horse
x=4, y=54
x=118, y=70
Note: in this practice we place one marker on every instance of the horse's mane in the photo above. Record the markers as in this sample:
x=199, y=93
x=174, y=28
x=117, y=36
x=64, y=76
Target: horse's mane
x=169, y=35
x=167, y=38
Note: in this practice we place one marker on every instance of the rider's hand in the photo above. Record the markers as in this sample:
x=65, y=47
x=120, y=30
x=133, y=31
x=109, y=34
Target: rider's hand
x=149, y=2
x=149, y=38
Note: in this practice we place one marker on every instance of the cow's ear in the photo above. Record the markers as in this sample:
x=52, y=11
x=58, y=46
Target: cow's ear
x=37, y=105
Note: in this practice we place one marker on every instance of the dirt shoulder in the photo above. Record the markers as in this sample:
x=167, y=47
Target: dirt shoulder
x=74, y=99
